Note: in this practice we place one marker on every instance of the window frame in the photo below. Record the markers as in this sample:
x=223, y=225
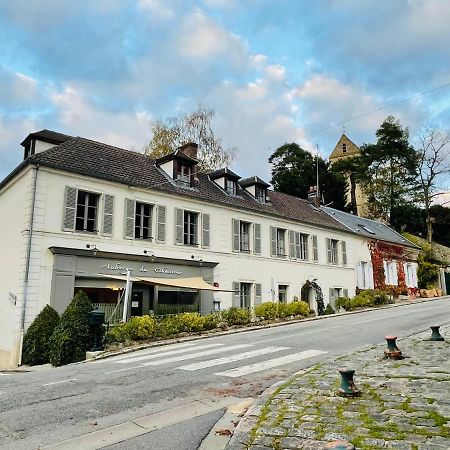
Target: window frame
x=230, y=182
x=242, y=225
x=260, y=194
x=281, y=232
x=141, y=226
x=182, y=178
x=333, y=251
x=283, y=289
x=86, y=206
x=188, y=234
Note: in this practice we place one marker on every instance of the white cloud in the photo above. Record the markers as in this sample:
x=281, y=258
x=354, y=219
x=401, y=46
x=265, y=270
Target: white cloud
x=157, y=9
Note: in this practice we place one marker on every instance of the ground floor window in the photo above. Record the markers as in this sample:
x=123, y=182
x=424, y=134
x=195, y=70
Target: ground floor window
x=282, y=293
x=245, y=295
x=174, y=301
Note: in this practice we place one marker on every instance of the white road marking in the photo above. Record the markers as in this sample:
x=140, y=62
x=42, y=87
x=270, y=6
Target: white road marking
x=4, y=374
x=258, y=367
x=169, y=352
x=163, y=348
x=196, y=355
x=232, y=358
x=59, y=382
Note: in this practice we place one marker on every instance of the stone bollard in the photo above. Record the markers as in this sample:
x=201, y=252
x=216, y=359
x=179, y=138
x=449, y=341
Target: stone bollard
x=435, y=335
x=348, y=388
x=340, y=445
x=392, y=351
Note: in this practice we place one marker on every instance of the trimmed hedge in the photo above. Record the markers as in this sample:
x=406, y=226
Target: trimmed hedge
x=236, y=316
x=36, y=343
x=270, y=311
x=365, y=299
x=71, y=338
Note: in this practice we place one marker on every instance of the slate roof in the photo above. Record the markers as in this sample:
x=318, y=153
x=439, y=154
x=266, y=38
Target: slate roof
x=94, y=159
x=253, y=180
x=48, y=136
x=368, y=228
x=223, y=172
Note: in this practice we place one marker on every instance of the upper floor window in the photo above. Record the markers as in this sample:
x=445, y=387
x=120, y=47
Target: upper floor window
x=244, y=236
x=143, y=221
x=260, y=194
x=332, y=251
x=301, y=246
x=281, y=242
x=230, y=186
x=86, y=212
x=190, y=224
x=184, y=174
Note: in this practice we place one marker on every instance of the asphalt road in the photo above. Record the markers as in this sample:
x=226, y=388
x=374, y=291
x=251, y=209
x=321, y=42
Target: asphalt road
x=50, y=405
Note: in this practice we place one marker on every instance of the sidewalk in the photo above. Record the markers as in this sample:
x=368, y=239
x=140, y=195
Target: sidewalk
x=405, y=404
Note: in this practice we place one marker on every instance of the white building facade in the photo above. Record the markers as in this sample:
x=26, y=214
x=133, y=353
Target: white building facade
x=76, y=214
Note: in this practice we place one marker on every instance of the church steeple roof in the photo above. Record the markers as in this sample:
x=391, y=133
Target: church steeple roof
x=344, y=147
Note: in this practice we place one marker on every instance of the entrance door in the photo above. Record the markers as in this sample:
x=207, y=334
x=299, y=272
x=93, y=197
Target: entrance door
x=136, y=303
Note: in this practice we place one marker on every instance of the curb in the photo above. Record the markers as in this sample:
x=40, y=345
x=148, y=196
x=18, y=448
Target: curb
x=254, y=328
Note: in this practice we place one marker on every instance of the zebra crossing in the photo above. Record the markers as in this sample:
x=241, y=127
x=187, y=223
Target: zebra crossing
x=210, y=356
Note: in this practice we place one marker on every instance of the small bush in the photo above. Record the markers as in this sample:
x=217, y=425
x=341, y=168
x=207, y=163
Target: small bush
x=298, y=308
x=328, y=310
x=168, y=326
x=427, y=274
x=71, y=338
x=212, y=321
x=190, y=322
x=267, y=310
x=365, y=299
x=36, y=343
x=236, y=316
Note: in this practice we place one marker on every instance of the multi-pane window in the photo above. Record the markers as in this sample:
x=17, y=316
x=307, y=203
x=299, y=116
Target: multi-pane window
x=184, y=174
x=245, y=295
x=143, y=221
x=230, y=186
x=281, y=242
x=301, y=246
x=260, y=194
x=332, y=250
x=86, y=216
x=244, y=236
x=282, y=293
x=390, y=272
x=190, y=233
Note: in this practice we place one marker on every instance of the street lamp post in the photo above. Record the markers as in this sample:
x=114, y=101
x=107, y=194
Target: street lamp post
x=127, y=296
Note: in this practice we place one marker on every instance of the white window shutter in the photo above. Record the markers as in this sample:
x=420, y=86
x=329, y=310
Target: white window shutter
x=414, y=272
x=407, y=273
x=394, y=273
x=359, y=275
x=179, y=225
x=292, y=244
x=315, y=249
x=108, y=213
x=344, y=253
x=235, y=225
x=257, y=238
x=345, y=293
x=161, y=224
x=329, y=250
x=386, y=272
x=258, y=294
x=205, y=230
x=70, y=208
x=332, y=297
x=273, y=241
x=236, y=294
x=130, y=211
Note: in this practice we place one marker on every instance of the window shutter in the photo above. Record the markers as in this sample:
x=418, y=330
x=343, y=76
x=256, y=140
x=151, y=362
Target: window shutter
x=273, y=241
x=258, y=294
x=236, y=294
x=359, y=275
x=315, y=248
x=394, y=273
x=414, y=274
x=257, y=238
x=235, y=225
x=179, y=225
x=161, y=224
x=306, y=240
x=70, y=208
x=370, y=275
x=205, y=230
x=344, y=253
x=108, y=213
x=345, y=293
x=386, y=272
x=130, y=211
x=332, y=298
x=329, y=250
x=292, y=244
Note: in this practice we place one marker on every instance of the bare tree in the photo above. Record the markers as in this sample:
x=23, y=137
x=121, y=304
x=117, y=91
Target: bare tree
x=174, y=132
x=434, y=164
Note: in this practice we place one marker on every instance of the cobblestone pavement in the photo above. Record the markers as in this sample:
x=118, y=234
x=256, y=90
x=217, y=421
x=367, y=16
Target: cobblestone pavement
x=405, y=404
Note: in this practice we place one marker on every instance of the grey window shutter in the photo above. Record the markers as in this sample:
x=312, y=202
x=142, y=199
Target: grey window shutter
x=345, y=293
x=236, y=294
x=329, y=250
x=108, y=213
x=179, y=225
x=257, y=238
x=70, y=208
x=273, y=241
x=332, y=297
x=130, y=210
x=161, y=224
x=205, y=230
x=258, y=294
x=291, y=244
x=235, y=225
x=306, y=241
x=344, y=252
x=315, y=249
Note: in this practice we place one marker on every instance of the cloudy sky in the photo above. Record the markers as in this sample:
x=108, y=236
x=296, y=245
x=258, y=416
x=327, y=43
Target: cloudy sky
x=274, y=71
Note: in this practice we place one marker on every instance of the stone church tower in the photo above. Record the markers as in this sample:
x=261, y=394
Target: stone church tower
x=345, y=148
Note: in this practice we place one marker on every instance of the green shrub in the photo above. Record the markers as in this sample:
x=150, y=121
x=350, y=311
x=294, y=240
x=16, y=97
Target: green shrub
x=297, y=308
x=267, y=310
x=136, y=329
x=236, y=316
x=36, y=343
x=427, y=274
x=328, y=310
x=345, y=303
x=211, y=321
x=190, y=322
x=71, y=338
x=365, y=299
x=168, y=326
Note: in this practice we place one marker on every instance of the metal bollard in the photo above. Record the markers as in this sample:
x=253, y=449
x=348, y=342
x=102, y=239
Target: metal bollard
x=435, y=335
x=392, y=351
x=348, y=388
x=340, y=445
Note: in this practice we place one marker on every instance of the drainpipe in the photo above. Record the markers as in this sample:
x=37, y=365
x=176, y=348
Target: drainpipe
x=27, y=264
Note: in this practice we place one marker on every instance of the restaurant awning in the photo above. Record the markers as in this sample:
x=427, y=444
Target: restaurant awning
x=189, y=283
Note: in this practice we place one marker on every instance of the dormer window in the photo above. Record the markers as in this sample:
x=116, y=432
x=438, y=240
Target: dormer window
x=230, y=186
x=260, y=194
x=226, y=180
x=184, y=174
x=256, y=187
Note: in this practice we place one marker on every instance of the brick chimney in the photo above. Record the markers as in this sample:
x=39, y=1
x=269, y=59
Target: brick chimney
x=190, y=149
x=313, y=196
